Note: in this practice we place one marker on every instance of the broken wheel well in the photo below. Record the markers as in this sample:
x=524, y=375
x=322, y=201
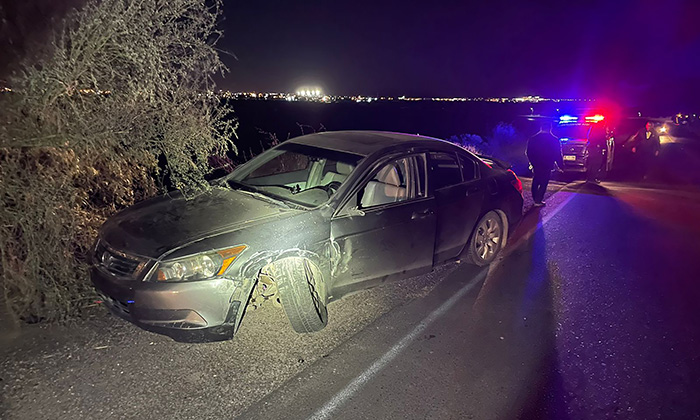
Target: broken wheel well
x=265, y=287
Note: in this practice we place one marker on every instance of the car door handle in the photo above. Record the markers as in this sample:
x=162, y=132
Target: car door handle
x=471, y=190
x=421, y=214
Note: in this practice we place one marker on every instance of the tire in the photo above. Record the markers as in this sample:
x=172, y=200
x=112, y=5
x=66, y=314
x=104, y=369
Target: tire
x=487, y=239
x=302, y=293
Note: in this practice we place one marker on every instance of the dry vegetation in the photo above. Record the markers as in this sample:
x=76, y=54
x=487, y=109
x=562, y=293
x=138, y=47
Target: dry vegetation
x=114, y=110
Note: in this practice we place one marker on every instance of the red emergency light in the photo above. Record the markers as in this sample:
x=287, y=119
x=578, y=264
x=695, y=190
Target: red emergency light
x=594, y=118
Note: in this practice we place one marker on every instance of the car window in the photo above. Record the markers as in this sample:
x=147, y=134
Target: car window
x=335, y=172
x=287, y=162
x=399, y=180
x=444, y=170
x=468, y=168
x=573, y=131
x=420, y=177
x=300, y=174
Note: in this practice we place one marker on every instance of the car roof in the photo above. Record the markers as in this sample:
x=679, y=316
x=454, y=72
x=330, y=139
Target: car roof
x=362, y=142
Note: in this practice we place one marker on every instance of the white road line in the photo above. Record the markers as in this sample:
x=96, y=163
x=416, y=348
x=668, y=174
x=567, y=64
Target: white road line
x=346, y=393
x=558, y=208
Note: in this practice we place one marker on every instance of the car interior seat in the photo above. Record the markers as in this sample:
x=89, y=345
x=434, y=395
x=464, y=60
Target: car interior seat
x=342, y=170
x=384, y=188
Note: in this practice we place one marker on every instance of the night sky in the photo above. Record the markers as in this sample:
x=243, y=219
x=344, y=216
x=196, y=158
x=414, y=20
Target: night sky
x=630, y=51
x=633, y=52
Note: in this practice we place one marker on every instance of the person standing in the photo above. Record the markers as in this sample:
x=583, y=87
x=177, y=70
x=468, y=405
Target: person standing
x=543, y=151
x=596, y=167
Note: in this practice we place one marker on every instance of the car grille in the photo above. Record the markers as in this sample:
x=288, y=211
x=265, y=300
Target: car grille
x=118, y=263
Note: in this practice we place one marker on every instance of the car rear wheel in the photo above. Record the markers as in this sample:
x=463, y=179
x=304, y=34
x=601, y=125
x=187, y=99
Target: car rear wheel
x=487, y=239
x=302, y=293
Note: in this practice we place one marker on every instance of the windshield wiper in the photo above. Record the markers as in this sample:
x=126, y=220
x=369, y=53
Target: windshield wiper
x=267, y=198
x=249, y=189
x=241, y=186
x=293, y=190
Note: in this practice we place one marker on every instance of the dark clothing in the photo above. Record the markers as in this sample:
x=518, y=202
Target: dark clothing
x=596, y=163
x=597, y=155
x=543, y=150
x=540, y=179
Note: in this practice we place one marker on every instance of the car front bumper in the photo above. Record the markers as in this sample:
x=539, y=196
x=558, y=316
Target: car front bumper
x=574, y=168
x=189, y=311
x=578, y=165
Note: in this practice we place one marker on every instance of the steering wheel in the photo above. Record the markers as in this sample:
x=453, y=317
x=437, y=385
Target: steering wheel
x=332, y=187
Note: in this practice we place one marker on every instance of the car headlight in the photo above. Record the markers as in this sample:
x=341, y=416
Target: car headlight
x=197, y=267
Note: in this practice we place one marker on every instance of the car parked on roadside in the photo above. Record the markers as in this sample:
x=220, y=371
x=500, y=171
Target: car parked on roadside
x=306, y=222
x=587, y=143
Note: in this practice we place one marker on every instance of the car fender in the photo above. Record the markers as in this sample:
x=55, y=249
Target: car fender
x=258, y=262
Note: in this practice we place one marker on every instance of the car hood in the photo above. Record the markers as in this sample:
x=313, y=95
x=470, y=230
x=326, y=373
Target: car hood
x=158, y=225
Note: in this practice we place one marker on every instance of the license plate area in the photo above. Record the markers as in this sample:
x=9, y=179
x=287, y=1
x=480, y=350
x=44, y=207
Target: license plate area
x=569, y=157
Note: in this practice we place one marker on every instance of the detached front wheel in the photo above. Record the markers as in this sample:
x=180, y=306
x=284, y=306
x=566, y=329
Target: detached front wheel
x=487, y=240
x=302, y=292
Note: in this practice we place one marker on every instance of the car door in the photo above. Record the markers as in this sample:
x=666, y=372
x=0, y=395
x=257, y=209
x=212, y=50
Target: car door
x=386, y=229
x=459, y=194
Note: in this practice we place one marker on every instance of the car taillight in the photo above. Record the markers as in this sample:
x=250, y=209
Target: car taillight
x=516, y=182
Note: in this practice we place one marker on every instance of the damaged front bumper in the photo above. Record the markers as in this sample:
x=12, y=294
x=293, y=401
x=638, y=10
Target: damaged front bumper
x=205, y=310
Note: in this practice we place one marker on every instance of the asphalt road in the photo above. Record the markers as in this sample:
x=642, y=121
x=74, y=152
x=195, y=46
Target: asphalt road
x=591, y=313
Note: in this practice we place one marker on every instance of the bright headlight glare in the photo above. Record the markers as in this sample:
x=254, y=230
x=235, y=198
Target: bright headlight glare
x=197, y=267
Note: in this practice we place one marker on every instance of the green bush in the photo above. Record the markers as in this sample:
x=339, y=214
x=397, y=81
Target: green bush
x=504, y=142
x=116, y=103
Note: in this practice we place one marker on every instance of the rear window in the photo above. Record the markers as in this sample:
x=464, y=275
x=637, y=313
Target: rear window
x=571, y=131
x=468, y=168
x=445, y=170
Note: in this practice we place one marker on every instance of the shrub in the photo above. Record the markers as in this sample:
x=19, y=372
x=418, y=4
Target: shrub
x=111, y=111
x=504, y=142
x=471, y=142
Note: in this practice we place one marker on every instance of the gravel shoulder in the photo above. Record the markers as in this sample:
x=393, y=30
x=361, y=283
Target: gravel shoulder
x=104, y=367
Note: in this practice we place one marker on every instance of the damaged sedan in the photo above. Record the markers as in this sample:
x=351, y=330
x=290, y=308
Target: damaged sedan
x=304, y=223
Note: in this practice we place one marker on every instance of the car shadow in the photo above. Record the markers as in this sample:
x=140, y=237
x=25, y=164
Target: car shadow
x=584, y=187
x=507, y=351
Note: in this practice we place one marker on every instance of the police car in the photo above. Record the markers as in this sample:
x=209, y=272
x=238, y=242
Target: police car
x=583, y=139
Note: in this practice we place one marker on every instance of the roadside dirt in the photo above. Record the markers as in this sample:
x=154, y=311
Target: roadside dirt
x=106, y=367
x=103, y=367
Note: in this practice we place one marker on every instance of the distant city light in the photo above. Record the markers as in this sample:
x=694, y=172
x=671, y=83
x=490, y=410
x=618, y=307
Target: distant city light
x=310, y=92
x=316, y=94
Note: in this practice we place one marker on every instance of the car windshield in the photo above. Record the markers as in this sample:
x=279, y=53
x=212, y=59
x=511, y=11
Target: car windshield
x=578, y=131
x=296, y=173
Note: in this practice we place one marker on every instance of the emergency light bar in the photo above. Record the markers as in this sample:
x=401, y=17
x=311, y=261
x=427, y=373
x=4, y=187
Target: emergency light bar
x=591, y=119
x=595, y=118
x=567, y=119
